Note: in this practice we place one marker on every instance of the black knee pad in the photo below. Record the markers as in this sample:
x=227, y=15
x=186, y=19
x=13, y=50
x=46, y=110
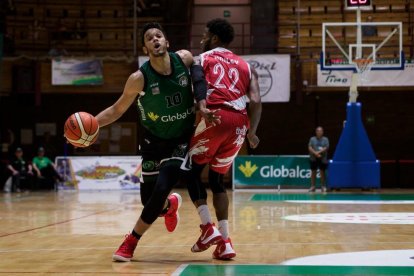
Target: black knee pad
x=195, y=187
x=215, y=180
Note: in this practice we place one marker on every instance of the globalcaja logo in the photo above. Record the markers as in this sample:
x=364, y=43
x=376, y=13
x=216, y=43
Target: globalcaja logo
x=247, y=169
x=177, y=116
x=272, y=170
x=283, y=171
x=153, y=116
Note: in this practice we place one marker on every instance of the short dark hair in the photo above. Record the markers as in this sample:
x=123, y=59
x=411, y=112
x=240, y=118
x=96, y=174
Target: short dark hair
x=151, y=25
x=221, y=28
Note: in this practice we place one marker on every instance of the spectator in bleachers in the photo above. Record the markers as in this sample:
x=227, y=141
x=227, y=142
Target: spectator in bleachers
x=79, y=32
x=318, y=154
x=61, y=30
x=22, y=172
x=141, y=6
x=369, y=30
x=35, y=29
x=58, y=50
x=45, y=170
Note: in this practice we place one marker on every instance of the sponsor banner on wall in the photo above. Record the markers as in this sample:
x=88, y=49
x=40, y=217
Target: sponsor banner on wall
x=274, y=75
x=342, y=78
x=99, y=172
x=271, y=171
x=70, y=71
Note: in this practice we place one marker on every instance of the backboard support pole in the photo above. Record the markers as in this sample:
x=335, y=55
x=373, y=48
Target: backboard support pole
x=353, y=88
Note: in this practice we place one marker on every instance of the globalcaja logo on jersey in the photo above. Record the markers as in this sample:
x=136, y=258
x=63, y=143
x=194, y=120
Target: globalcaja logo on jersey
x=153, y=116
x=177, y=116
x=247, y=169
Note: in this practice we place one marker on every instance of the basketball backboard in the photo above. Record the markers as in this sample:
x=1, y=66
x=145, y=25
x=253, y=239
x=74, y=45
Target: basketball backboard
x=343, y=42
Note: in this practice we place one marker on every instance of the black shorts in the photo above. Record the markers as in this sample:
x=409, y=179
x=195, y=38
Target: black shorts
x=318, y=164
x=157, y=152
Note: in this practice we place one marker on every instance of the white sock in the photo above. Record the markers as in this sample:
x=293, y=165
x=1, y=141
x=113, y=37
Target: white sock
x=204, y=214
x=223, y=227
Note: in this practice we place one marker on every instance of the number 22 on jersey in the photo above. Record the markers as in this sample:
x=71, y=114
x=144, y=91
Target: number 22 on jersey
x=232, y=78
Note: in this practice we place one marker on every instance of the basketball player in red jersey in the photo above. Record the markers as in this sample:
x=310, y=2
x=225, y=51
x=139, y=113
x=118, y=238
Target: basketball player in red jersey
x=230, y=82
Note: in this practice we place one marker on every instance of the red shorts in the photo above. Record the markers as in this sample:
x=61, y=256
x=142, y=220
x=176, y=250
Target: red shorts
x=218, y=145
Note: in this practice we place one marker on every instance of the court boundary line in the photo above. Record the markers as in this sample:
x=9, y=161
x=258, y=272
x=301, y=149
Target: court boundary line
x=80, y=272
x=189, y=245
x=316, y=268
x=179, y=270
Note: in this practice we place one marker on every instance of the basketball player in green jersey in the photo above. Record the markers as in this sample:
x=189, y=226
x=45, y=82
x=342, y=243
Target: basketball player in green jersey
x=162, y=88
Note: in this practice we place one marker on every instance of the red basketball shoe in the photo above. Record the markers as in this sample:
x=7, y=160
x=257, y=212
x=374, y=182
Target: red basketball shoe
x=224, y=250
x=172, y=218
x=209, y=235
x=126, y=250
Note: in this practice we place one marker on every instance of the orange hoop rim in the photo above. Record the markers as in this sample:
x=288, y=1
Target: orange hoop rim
x=363, y=61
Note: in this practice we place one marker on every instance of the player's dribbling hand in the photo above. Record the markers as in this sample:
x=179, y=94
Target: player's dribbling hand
x=253, y=140
x=210, y=116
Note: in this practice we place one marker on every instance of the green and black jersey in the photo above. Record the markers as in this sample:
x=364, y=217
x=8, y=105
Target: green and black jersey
x=166, y=105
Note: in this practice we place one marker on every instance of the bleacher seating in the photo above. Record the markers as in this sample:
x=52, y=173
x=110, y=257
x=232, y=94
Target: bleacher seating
x=108, y=26
x=312, y=13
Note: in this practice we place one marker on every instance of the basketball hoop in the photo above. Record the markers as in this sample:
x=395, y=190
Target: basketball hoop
x=363, y=66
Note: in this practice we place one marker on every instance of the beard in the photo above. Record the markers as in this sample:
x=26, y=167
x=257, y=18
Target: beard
x=206, y=45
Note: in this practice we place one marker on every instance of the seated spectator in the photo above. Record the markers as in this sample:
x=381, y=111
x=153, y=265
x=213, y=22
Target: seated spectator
x=58, y=50
x=61, y=30
x=79, y=32
x=369, y=30
x=22, y=172
x=46, y=170
x=141, y=6
x=35, y=29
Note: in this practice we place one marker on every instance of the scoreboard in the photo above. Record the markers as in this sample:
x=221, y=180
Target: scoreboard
x=356, y=4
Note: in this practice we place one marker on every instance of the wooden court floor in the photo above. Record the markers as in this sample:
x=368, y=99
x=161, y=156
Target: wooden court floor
x=75, y=233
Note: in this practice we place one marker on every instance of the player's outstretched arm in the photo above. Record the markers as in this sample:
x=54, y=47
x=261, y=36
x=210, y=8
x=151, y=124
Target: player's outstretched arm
x=133, y=87
x=255, y=109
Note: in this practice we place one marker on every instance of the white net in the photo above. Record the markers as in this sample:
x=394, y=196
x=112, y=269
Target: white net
x=363, y=66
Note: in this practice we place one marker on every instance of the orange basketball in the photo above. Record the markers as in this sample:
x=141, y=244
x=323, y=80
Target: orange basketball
x=81, y=129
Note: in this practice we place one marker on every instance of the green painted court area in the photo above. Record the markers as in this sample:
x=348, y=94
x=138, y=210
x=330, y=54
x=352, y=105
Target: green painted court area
x=284, y=197
x=199, y=269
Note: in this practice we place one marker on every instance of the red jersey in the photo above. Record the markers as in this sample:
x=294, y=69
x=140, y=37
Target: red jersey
x=228, y=77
